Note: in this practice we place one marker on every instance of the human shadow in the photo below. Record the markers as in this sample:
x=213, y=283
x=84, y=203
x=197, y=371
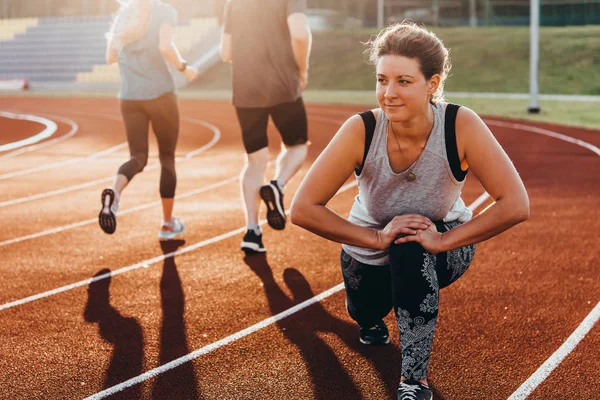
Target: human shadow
x=330, y=379
x=180, y=382
x=124, y=333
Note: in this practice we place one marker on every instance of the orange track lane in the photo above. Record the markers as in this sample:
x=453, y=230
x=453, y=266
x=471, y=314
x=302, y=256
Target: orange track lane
x=526, y=292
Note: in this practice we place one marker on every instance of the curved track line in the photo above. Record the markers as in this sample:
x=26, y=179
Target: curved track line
x=88, y=184
x=212, y=143
x=546, y=132
x=559, y=355
x=59, y=164
x=145, y=263
x=213, y=346
x=227, y=340
x=50, y=129
x=72, y=132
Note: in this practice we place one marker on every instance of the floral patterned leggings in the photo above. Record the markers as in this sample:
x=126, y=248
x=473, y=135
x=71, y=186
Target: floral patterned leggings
x=410, y=284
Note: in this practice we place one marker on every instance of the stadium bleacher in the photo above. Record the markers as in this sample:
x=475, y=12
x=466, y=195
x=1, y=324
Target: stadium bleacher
x=72, y=49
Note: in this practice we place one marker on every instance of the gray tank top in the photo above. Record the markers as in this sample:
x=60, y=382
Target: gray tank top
x=382, y=194
x=144, y=72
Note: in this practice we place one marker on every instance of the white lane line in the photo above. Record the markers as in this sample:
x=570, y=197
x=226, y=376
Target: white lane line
x=479, y=201
x=72, y=132
x=150, y=167
x=215, y=139
x=546, y=132
x=119, y=214
x=49, y=130
x=214, y=346
x=225, y=341
x=141, y=264
x=59, y=164
x=559, y=355
x=590, y=320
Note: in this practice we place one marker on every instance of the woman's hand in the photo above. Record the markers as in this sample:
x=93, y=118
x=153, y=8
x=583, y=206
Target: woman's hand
x=408, y=224
x=190, y=73
x=429, y=238
x=303, y=79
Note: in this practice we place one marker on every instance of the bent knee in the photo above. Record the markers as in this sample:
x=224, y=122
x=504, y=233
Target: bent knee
x=141, y=160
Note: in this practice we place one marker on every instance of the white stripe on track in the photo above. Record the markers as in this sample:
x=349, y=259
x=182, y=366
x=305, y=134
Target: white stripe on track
x=225, y=341
x=215, y=139
x=49, y=130
x=559, y=355
x=140, y=264
x=150, y=167
x=119, y=213
x=563, y=351
x=546, y=132
x=214, y=346
x=72, y=132
x=59, y=164
x=479, y=201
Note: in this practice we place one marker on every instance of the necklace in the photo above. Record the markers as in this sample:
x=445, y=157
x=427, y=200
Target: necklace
x=411, y=177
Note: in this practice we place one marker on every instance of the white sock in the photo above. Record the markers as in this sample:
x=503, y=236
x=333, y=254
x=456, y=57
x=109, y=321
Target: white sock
x=279, y=184
x=255, y=228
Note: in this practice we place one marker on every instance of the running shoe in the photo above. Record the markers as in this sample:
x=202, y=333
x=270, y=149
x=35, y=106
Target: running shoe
x=273, y=198
x=108, y=214
x=414, y=390
x=374, y=335
x=252, y=243
x=171, y=231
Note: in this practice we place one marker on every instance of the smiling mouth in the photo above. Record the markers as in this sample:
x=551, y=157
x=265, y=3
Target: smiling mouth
x=394, y=106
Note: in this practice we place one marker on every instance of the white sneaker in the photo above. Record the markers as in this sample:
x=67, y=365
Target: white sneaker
x=171, y=231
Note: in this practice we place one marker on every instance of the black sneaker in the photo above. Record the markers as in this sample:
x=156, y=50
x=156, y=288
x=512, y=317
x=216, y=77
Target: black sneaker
x=252, y=243
x=414, y=390
x=108, y=214
x=273, y=198
x=377, y=334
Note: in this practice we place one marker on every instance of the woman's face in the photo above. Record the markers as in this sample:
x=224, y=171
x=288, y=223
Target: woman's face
x=402, y=90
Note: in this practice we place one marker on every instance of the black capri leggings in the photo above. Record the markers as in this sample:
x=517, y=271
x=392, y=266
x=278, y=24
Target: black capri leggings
x=410, y=284
x=163, y=113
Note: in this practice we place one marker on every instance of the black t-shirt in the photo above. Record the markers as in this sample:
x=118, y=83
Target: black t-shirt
x=265, y=72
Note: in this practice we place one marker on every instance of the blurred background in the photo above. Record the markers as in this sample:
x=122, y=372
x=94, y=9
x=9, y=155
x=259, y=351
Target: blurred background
x=57, y=46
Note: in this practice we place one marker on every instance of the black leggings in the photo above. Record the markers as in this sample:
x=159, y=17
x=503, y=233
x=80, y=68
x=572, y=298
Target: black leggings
x=410, y=284
x=164, y=115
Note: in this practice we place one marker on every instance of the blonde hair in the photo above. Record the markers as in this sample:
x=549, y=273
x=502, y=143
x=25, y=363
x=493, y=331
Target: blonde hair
x=412, y=41
x=131, y=22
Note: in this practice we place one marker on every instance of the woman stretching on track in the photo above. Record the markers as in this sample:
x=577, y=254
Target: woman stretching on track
x=408, y=233
x=139, y=38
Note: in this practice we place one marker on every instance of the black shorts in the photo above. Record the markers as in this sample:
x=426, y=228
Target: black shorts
x=289, y=118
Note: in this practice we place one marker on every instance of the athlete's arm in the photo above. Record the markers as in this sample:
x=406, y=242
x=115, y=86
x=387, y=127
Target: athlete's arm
x=168, y=48
x=480, y=151
x=226, y=47
x=301, y=42
x=226, y=34
x=112, y=56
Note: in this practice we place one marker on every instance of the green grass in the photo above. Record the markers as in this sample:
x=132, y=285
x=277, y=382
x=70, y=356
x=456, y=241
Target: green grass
x=486, y=59
x=573, y=113
x=494, y=59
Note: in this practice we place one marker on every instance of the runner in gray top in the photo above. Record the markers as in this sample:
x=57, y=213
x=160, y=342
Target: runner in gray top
x=408, y=234
x=268, y=43
x=140, y=41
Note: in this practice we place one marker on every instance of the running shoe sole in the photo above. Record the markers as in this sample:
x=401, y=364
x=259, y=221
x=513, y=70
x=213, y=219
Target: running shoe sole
x=374, y=342
x=107, y=219
x=251, y=247
x=275, y=213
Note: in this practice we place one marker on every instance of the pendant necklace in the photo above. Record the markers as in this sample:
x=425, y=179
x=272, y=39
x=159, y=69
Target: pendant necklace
x=411, y=177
